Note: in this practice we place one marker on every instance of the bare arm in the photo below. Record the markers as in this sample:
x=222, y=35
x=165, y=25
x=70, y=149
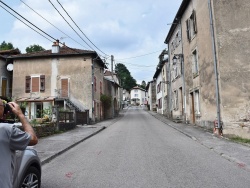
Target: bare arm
x=26, y=125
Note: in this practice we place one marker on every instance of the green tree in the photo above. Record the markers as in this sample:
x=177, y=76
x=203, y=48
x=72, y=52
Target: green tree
x=127, y=81
x=143, y=84
x=34, y=48
x=6, y=46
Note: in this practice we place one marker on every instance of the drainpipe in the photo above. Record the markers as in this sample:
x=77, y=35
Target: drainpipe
x=215, y=67
x=169, y=86
x=93, y=102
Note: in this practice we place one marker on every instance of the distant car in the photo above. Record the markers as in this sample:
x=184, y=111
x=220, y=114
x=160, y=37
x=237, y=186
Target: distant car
x=27, y=171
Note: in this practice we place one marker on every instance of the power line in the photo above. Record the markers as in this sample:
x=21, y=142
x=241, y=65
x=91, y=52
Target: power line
x=35, y=27
x=25, y=23
x=70, y=25
x=28, y=21
x=79, y=28
x=140, y=55
x=51, y=24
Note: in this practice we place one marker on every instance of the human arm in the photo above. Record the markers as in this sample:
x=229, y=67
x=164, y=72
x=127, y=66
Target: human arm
x=25, y=124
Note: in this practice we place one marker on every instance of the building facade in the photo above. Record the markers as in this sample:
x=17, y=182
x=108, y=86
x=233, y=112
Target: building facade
x=62, y=76
x=215, y=74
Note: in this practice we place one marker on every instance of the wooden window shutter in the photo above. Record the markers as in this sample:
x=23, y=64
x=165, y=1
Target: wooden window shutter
x=27, y=84
x=194, y=21
x=64, y=87
x=35, y=84
x=42, y=83
x=188, y=29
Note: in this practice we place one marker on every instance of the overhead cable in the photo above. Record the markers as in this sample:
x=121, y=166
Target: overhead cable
x=69, y=24
x=28, y=21
x=140, y=55
x=79, y=28
x=25, y=23
x=52, y=24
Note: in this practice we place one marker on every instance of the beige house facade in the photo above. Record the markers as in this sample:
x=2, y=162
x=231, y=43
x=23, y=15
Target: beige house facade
x=60, y=76
x=214, y=49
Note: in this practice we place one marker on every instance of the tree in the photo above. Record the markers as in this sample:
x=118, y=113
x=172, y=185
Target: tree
x=6, y=46
x=127, y=81
x=34, y=48
x=143, y=84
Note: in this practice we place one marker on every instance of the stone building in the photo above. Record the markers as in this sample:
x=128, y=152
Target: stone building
x=61, y=76
x=211, y=41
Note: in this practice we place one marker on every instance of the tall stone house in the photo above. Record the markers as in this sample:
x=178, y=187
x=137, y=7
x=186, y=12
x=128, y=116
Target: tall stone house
x=160, y=80
x=6, y=72
x=59, y=77
x=112, y=89
x=151, y=90
x=209, y=52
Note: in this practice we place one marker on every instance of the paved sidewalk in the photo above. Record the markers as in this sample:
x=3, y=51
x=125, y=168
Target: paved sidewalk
x=234, y=152
x=50, y=147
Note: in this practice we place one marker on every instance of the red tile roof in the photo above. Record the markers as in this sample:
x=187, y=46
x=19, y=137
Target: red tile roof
x=62, y=52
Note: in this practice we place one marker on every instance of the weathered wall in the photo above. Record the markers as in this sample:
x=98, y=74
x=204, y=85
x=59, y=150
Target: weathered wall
x=204, y=81
x=233, y=41
x=78, y=70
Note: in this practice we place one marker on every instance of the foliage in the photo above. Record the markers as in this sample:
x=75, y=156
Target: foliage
x=34, y=48
x=6, y=46
x=23, y=104
x=143, y=85
x=106, y=100
x=241, y=140
x=47, y=113
x=127, y=81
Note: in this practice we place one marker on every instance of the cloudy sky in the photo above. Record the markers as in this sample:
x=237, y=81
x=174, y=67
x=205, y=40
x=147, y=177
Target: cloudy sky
x=133, y=31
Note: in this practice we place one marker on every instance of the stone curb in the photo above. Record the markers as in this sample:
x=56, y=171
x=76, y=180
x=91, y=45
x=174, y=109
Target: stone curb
x=47, y=160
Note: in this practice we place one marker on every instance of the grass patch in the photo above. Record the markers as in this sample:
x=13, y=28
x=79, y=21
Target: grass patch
x=241, y=140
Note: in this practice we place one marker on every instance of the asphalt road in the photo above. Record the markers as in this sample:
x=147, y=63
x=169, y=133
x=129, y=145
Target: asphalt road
x=141, y=151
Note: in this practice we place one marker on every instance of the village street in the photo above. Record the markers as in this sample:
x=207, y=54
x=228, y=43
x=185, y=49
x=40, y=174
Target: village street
x=139, y=150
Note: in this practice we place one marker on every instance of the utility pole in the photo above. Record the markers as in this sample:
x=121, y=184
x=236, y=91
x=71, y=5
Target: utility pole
x=112, y=60
x=112, y=91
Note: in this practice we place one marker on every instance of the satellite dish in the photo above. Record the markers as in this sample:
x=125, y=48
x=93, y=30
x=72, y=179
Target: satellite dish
x=10, y=67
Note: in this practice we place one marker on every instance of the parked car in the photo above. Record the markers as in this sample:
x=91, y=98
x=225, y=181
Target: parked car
x=27, y=171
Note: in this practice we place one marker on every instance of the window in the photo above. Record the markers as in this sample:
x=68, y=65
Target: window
x=191, y=26
x=159, y=87
x=175, y=100
x=34, y=83
x=197, y=102
x=195, y=63
x=136, y=95
x=136, y=90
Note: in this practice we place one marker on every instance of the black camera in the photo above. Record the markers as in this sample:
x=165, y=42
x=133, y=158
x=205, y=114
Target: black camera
x=7, y=109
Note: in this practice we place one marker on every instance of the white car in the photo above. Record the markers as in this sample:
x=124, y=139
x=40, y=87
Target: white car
x=27, y=169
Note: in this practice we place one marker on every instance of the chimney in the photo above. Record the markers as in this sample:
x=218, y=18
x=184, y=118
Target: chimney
x=55, y=47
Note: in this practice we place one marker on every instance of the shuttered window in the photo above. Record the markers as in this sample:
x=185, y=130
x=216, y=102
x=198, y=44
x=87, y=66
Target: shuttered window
x=35, y=84
x=64, y=87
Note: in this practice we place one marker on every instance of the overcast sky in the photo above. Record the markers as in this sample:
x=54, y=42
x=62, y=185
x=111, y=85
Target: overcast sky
x=123, y=28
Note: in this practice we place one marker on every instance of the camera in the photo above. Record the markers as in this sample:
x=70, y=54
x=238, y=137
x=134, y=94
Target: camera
x=7, y=109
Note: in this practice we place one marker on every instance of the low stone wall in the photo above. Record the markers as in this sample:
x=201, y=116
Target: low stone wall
x=46, y=129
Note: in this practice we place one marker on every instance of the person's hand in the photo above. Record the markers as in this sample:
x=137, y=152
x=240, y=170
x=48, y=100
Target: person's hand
x=15, y=108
